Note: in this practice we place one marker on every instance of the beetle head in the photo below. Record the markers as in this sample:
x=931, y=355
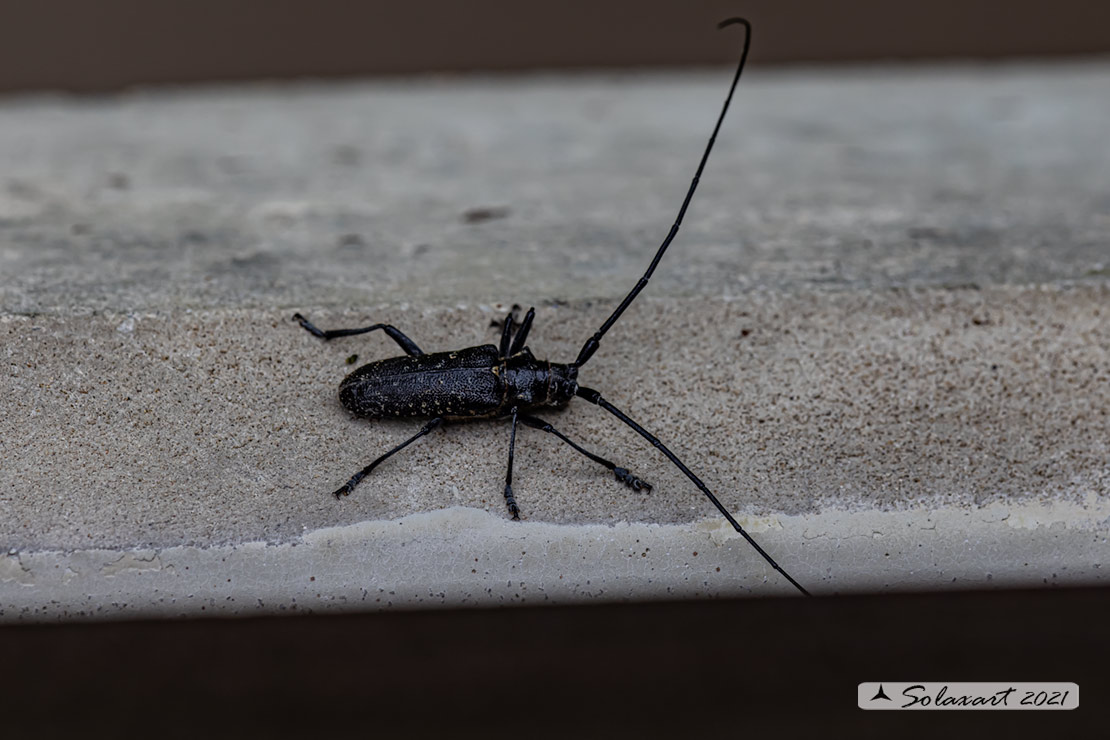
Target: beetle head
x=562, y=382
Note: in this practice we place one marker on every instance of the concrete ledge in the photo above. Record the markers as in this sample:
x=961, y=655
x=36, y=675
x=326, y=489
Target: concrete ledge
x=466, y=557
x=880, y=338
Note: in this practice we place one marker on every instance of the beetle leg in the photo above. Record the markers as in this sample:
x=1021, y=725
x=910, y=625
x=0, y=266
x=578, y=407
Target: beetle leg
x=512, y=325
x=349, y=486
x=506, y=334
x=394, y=333
x=622, y=474
x=510, y=500
x=522, y=333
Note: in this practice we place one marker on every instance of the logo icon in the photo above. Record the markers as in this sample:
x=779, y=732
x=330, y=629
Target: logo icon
x=880, y=694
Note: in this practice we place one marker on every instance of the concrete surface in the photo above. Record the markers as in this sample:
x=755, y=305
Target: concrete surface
x=880, y=337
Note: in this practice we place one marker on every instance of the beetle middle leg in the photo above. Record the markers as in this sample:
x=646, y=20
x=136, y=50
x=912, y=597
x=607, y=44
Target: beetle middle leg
x=522, y=333
x=349, y=486
x=622, y=474
x=394, y=333
x=510, y=500
x=506, y=351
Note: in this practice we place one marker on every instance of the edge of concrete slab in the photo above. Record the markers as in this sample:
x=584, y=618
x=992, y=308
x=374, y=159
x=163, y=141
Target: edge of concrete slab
x=480, y=559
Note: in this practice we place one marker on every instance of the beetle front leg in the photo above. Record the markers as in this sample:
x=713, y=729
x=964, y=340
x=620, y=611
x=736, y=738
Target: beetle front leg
x=394, y=333
x=621, y=474
x=522, y=333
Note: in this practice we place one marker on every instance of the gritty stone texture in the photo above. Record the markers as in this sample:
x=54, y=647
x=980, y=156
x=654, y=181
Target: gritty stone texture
x=881, y=336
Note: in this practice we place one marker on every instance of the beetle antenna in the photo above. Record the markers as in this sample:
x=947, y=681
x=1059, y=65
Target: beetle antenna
x=595, y=398
x=593, y=342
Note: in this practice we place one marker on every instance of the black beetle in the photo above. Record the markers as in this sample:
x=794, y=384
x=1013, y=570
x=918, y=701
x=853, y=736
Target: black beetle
x=508, y=381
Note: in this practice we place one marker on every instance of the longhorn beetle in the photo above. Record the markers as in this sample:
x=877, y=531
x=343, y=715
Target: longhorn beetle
x=507, y=381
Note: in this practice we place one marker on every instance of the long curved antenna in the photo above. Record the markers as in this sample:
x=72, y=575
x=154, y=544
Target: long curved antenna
x=595, y=398
x=593, y=342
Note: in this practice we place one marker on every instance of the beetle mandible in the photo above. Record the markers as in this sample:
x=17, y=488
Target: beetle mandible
x=507, y=381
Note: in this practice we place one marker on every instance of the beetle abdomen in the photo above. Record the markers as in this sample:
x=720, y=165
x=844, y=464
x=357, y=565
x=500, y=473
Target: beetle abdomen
x=451, y=384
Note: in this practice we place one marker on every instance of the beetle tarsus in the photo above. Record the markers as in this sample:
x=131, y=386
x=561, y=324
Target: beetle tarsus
x=510, y=501
x=636, y=484
x=306, y=324
x=346, y=488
